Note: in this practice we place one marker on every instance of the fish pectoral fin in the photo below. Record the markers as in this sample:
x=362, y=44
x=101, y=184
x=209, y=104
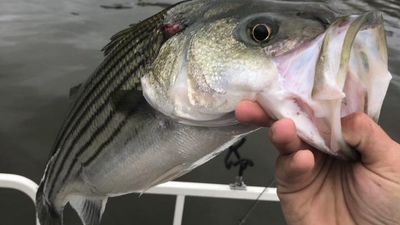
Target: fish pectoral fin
x=170, y=174
x=89, y=210
x=127, y=100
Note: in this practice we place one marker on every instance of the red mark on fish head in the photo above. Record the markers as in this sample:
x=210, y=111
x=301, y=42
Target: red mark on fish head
x=170, y=29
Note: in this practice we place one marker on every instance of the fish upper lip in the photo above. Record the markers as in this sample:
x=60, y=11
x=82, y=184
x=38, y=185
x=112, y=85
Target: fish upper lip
x=373, y=19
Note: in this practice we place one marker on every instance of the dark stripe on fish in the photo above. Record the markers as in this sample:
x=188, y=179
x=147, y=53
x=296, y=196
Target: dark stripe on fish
x=124, y=64
x=122, y=35
x=110, y=139
x=106, y=143
x=88, y=112
x=113, y=57
x=119, y=42
x=90, y=118
x=125, y=77
x=101, y=73
x=88, y=123
x=76, y=114
x=89, y=142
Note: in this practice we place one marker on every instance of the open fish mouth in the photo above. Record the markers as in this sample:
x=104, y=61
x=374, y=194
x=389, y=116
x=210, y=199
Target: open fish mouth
x=342, y=71
x=363, y=57
x=349, y=45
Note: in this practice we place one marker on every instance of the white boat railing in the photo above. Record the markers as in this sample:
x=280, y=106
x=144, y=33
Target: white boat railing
x=180, y=189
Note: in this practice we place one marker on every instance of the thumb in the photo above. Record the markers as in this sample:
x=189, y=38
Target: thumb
x=375, y=146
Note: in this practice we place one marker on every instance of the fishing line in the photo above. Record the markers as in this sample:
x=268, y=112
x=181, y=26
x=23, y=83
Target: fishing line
x=254, y=205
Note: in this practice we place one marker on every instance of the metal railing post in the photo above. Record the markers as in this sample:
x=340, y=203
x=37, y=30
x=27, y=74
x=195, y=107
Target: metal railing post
x=179, y=205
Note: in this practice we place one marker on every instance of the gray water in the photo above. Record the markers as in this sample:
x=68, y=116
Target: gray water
x=49, y=46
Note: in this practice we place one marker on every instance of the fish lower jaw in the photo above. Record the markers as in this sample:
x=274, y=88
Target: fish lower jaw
x=280, y=104
x=312, y=129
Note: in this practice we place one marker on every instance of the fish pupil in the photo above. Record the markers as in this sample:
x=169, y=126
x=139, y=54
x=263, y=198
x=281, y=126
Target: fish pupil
x=261, y=32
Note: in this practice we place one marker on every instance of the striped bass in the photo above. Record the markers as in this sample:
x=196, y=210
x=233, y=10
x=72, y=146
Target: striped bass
x=162, y=102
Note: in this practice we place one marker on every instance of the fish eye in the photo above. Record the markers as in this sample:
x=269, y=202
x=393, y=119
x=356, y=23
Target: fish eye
x=257, y=30
x=261, y=32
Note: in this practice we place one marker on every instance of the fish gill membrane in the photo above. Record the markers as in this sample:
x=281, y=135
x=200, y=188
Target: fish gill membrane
x=349, y=74
x=162, y=102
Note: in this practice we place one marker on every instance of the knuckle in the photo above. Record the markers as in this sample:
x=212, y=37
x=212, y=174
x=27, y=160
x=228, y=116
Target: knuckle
x=357, y=122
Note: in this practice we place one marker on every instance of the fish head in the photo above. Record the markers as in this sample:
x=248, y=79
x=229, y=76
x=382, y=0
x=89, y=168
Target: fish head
x=225, y=55
x=292, y=58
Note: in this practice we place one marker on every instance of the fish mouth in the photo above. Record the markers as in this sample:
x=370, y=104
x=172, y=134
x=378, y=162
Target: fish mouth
x=342, y=71
x=350, y=47
x=345, y=36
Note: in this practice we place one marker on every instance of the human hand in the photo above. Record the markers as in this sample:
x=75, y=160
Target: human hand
x=315, y=188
